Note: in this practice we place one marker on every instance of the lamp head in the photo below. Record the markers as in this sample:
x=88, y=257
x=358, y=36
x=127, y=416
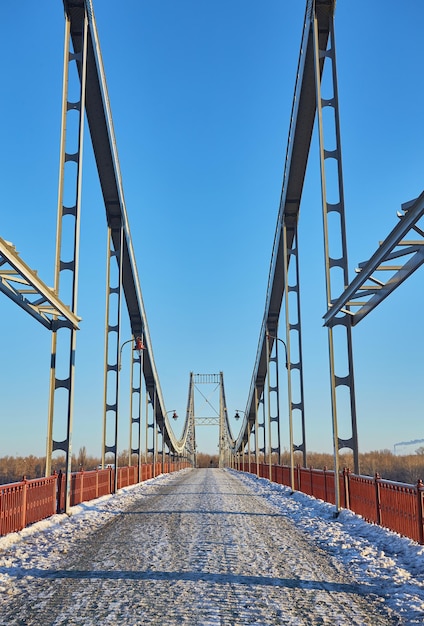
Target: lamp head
x=139, y=346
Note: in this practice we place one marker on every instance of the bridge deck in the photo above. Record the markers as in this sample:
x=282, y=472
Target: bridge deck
x=201, y=547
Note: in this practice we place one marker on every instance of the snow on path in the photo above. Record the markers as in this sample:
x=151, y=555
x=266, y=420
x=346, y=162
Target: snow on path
x=203, y=547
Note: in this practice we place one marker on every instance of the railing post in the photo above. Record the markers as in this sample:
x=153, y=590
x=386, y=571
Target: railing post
x=420, y=507
x=54, y=492
x=2, y=522
x=325, y=483
x=58, y=491
x=82, y=485
x=24, y=502
x=346, y=485
x=377, y=479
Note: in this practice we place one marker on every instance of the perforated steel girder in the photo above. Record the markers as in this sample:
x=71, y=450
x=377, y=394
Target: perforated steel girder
x=390, y=265
x=21, y=284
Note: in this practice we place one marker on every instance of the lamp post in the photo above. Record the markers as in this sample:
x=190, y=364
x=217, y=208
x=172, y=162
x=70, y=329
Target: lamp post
x=222, y=451
x=284, y=344
x=237, y=417
x=290, y=410
x=138, y=346
x=174, y=416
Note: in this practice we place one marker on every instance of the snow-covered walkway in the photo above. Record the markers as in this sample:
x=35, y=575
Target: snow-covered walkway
x=205, y=547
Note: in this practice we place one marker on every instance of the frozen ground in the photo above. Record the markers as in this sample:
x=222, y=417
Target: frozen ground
x=209, y=547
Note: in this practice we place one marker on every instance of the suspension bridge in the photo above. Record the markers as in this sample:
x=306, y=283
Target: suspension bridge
x=257, y=442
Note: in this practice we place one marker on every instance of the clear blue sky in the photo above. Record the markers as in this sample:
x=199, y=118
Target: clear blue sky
x=201, y=94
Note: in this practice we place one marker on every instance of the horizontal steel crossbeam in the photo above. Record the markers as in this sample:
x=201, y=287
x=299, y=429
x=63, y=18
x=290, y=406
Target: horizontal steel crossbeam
x=365, y=297
x=22, y=285
x=207, y=421
x=206, y=379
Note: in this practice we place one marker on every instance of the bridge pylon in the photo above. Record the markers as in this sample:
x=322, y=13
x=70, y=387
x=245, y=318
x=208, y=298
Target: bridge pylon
x=220, y=415
x=63, y=346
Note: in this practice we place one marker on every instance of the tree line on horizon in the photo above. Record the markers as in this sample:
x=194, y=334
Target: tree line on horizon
x=406, y=469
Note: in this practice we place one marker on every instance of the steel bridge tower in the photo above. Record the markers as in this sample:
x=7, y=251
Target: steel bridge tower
x=220, y=417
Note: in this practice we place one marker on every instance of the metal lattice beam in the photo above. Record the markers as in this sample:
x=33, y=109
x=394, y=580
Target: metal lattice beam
x=207, y=421
x=394, y=261
x=22, y=285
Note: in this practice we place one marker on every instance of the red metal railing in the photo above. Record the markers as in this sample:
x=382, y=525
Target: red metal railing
x=30, y=501
x=26, y=502
x=40, y=498
x=12, y=507
x=395, y=506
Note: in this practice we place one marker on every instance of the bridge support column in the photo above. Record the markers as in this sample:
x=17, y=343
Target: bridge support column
x=155, y=443
x=136, y=407
x=256, y=432
x=146, y=433
x=273, y=394
x=294, y=328
x=151, y=442
x=64, y=347
x=335, y=266
x=112, y=345
x=249, y=461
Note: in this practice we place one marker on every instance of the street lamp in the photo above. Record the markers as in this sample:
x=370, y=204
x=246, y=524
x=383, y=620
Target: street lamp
x=174, y=416
x=138, y=346
x=237, y=417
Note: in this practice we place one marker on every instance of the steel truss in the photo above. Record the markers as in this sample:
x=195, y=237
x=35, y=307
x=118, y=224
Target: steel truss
x=208, y=421
x=23, y=286
x=392, y=263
